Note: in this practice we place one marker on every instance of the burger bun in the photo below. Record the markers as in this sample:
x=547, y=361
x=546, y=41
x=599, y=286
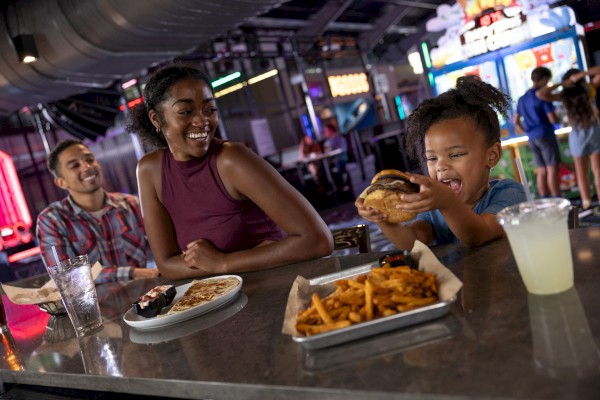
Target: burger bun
x=385, y=200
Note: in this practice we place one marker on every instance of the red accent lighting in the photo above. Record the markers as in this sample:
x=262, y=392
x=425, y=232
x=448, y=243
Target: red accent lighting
x=592, y=26
x=15, y=220
x=24, y=254
x=131, y=103
x=488, y=19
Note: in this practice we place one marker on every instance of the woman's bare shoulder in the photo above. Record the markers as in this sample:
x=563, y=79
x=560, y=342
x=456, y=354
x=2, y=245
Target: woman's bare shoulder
x=234, y=146
x=235, y=151
x=150, y=161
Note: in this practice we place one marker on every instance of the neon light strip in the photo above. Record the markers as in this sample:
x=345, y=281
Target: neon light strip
x=400, y=108
x=425, y=50
x=264, y=76
x=24, y=254
x=229, y=90
x=519, y=139
x=6, y=211
x=225, y=79
x=134, y=102
x=129, y=83
x=18, y=194
x=525, y=138
x=250, y=81
x=17, y=191
x=562, y=131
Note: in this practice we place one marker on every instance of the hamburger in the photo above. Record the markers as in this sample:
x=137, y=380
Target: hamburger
x=384, y=194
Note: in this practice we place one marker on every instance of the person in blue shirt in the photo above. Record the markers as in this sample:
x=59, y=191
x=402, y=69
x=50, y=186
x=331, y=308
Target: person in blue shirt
x=536, y=117
x=459, y=134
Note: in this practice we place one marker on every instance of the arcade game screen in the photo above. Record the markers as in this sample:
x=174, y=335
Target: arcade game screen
x=487, y=71
x=558, y=56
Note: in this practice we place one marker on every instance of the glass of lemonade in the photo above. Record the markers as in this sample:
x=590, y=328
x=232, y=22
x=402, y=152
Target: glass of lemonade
x=539, y=238
x=73, y=278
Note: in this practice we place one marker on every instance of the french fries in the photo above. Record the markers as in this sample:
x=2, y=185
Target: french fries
x=382, y=292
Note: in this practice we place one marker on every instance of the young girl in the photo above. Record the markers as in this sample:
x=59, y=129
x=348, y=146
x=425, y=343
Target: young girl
x=584, y=140
x=211, y=206
x=459, y=133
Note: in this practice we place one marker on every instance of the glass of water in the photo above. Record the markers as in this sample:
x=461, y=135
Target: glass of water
x=73, y=278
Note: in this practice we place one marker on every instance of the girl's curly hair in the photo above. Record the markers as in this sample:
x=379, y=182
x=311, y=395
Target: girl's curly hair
x=576, y=100
x=156, y=91
x=472, y=98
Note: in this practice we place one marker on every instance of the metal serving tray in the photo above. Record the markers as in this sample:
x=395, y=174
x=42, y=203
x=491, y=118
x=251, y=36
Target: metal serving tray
x=383, y=345
x=368, y=328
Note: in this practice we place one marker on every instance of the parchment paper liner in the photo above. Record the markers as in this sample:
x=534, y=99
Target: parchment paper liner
x=45, y=294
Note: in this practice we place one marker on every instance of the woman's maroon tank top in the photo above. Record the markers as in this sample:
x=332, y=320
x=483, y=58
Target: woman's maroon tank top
x=201, y=208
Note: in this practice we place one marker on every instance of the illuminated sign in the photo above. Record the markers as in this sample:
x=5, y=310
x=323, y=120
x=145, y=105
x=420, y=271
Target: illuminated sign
x=488, y=19
x=349, y=84
x=494, y=31
x=472, y=8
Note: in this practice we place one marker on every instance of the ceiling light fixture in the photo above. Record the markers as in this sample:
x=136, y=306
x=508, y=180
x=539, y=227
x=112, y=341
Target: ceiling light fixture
x=26, y=48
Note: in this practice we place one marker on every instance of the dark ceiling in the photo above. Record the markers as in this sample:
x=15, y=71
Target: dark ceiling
x=87, y=46
x=91, y=44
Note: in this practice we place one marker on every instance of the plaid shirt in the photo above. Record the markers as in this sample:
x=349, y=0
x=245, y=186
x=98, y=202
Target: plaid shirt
x=117, y=240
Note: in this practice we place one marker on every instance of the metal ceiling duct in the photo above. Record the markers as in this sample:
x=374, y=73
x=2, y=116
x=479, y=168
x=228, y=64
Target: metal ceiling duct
x=86, y=44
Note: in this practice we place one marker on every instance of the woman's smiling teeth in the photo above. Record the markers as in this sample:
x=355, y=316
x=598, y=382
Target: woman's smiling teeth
x=197, y=135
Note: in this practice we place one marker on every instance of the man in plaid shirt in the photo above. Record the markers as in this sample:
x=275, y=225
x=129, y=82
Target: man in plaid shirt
x=108, y=227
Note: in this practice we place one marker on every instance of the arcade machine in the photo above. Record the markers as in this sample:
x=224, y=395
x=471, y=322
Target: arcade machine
x=16, y=240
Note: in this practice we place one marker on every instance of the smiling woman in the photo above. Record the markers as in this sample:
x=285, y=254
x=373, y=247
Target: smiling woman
x=212, y=206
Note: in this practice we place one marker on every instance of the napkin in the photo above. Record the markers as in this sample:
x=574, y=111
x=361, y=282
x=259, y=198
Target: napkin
x=301, y=291
x=45, y=294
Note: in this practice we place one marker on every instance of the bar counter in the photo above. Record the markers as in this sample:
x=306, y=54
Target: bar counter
x=497, y=341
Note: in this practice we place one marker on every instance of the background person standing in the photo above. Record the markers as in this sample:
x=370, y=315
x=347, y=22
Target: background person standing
x=578, y=97
x=538, y=121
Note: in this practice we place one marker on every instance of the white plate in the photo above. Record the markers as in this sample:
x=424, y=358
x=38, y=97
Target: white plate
x=139, y=322
x=172, y=332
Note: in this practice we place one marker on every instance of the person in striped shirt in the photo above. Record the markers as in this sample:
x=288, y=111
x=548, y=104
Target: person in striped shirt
x=108, y=227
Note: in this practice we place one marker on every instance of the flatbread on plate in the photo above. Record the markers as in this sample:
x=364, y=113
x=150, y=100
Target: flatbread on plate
x=203, y=291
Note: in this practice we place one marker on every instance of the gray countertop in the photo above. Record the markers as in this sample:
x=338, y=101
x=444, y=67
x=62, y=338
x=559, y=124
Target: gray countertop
x=496, y=342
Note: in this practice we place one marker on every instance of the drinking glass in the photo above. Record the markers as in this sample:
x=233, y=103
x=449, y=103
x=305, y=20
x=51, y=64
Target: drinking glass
x=539, y=238
x=73, y=278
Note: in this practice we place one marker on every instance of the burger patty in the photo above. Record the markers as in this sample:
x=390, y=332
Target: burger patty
x=394, y=184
